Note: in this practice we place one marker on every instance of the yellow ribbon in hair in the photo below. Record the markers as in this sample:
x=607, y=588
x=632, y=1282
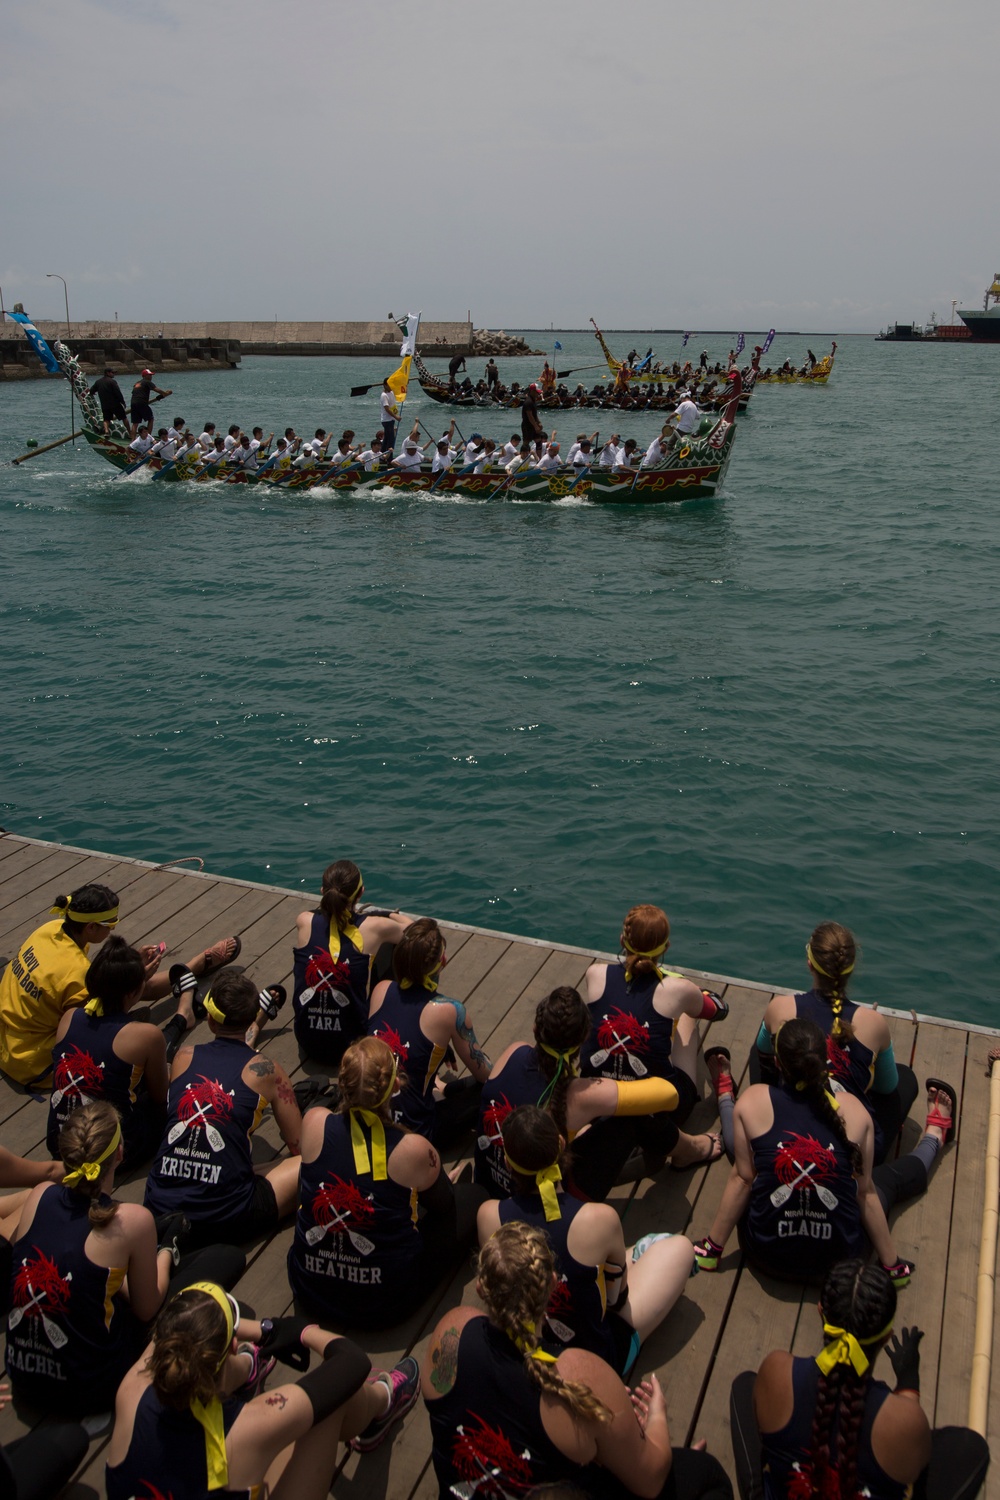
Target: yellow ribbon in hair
x=532, y=1351
x=845, y=1349
x=94, y=1007
x=377, y=1165
x=650, y=953
x=209, y=1414
x=429, y=981
x=831, y=1099
x=545, y=1180
x=819, y=967
x=107, y=918
x=91, y=1170
x=211, y=1009
x=347, y=925
x=565, y=1061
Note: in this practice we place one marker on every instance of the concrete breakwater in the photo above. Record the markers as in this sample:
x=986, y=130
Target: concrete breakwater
x=18, y=361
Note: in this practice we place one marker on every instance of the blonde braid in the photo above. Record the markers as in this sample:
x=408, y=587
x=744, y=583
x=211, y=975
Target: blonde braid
x=516, y=1268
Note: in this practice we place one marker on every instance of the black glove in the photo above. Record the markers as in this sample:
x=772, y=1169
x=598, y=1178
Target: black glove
x=904, y=1356
x=282, y=1338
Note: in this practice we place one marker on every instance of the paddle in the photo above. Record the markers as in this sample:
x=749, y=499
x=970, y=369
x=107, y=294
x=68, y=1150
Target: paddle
x=565, y=374
x=132, y=467
x=582, y=475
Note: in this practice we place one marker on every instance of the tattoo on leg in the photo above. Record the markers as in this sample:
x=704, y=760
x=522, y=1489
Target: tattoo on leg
x=276, y=1399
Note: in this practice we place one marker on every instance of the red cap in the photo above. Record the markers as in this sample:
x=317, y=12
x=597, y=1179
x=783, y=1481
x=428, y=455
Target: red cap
x=149, y=372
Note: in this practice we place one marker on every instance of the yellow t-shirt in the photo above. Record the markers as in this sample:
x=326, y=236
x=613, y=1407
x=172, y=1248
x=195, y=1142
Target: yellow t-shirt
x=46, y=978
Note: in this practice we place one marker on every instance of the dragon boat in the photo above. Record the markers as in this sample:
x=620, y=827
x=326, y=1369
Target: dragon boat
x=818, y=375
x=694, y=468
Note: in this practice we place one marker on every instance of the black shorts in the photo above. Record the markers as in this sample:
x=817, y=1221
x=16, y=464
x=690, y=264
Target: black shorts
x=260, y=1218
x=142, y=414
x=114, y=414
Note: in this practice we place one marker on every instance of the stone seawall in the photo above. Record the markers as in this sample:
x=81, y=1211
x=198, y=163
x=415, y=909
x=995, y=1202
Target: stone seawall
x=269, y=334
x=18, y=360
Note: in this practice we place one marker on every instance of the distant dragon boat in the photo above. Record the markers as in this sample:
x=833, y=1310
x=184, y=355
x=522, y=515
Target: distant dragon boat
x=693, y=469
x=818, y=375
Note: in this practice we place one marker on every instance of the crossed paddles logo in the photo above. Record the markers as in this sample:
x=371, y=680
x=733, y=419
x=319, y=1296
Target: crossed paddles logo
x=399, y=1049
x=493, y=1117
x=326, y=979
x=801, y=1164
x=203, y=1105
x=77, y=1078
x=490, y=1467
x=621, y=1036
x=39, y=1289
x=340, y=1208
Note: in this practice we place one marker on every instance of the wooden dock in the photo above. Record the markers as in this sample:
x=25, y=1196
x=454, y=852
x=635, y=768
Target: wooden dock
x=723, y=1324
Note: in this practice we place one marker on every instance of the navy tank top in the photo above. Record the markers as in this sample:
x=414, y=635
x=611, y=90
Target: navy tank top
x=487, y=1436
x=203, y=1166
x=69, y=1326
x=803, y=1215
x=356, y=1241
x=577, y=1311
x=166, y=1456
x=86, y=1067
x=397, y=1023
x=785, y=1454
x=330, y=999
x=853, y=1066
x=521, y=1081
x=629, y=1038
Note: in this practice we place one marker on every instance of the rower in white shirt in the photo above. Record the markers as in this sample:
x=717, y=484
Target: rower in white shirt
x=344, y=456
x=611, y=452
x=163, y=448
x=656, y=453
x=232, y=438
x=486, y=457
x=178, y=430
x=626, y=455
x=584, y=456
x=409, y=460
x=189, y=453
x=142, y=442
x=550, y=459
x=510, y=450
x=207, y=440
x=372, y=457
x=444, y=453
x=575, y=447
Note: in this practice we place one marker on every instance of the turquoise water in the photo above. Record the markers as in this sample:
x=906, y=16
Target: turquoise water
x=761, y=710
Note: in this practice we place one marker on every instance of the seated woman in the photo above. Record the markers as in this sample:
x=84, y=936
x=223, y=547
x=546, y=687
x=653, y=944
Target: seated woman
x=101, y=1053
x=419, y=1026
x=802, y=1189
x=506, y=1414
x=860, y=1046
x=824, y=1426
x=87, y=1276
x=333, y=954
x=219, y=1093
x=361, y=1255
x=547, y=1075
x=41, y=1462
x=49, y=976
x=644, y=1021
x=607, y=1298
x=188, y=1421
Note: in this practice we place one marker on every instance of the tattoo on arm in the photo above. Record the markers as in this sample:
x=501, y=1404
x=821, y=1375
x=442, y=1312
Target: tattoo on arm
x=467, y=1032
x=261, y=1067
x=286, y=1093
x=444, y=1361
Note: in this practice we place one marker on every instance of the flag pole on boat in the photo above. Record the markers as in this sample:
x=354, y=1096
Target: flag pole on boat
x=400, y=379
x=982, y=1348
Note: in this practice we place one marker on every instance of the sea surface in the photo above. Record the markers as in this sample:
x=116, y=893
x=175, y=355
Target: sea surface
x=758, y=711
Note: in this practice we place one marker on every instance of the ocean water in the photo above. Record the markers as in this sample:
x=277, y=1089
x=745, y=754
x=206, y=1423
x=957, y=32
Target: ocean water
x=758, y=711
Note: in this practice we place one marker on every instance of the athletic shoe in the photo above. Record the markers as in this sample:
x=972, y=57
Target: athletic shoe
x=405, y=1383
x=261, y=1365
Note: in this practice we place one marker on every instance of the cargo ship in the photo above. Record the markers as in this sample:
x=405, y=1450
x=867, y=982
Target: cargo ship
x=984, y=323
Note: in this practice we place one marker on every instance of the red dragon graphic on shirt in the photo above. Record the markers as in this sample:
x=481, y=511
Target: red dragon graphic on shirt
x=493, y=1117
x=800, y=1161
x=77, y=1076
x=341, y=1205
x=393, y=1040
x=204, y=1102
x=151, y=1492
x=487, y=1462
x=38, y=1290
x=620, y=1035
x=324, y=974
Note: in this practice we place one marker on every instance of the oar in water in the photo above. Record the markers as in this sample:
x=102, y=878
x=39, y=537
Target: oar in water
x=146, y=458
x=565, y=374
x=34, y=452
x=582, y=475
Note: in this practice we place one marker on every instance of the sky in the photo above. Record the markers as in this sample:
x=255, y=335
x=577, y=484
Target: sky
x=536, y=162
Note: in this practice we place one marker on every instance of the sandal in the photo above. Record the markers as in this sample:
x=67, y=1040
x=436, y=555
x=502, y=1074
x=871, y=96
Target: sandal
x=714, y=1152
x=218, y=956
x=726, y=1056
x=944, y=1123
x=272, y=999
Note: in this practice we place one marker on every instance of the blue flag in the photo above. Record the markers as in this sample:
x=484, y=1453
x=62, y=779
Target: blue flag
x=740, y=344
x=768, y=342
x=557, y=345
x=36, y=341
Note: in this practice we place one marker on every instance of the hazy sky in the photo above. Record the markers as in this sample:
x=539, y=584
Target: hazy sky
x=714, y=165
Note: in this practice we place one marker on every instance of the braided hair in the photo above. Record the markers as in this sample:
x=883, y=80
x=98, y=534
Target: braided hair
x=644, y=929
x=366, y=1078
x=832, y=954
x=800, y=1048
x=342, y=886
x=861, y=1299
x=516, y=1271
x=85, y=1137
x=562, y=1023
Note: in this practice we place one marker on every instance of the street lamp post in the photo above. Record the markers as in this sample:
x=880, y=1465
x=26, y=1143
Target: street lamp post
x=54, y=276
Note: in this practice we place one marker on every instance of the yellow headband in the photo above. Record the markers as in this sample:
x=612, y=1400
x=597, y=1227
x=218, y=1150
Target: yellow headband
x=845, y=1349
x=819, y=967
x=651, y=953
x=209, y=1414
x=545, y=1181
x=211, y=1009
x=102, y=918
x=91, y=1170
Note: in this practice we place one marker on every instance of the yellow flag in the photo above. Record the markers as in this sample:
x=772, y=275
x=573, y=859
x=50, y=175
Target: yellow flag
x=399, y=379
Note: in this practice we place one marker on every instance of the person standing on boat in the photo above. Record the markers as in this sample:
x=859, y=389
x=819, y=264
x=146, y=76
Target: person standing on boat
x=548, y=379
x=109, y=394
x=389, y=416
x=492, y=374
x=456, y=363
x=687, y=415
x=140, y=409
x=531, y=426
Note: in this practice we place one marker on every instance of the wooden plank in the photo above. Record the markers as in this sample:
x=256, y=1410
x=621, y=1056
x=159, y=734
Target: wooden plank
x=472, y=963
x=30, y=868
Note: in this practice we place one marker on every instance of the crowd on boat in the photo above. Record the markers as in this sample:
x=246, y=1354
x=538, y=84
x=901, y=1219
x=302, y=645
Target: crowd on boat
x=116, y=1305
